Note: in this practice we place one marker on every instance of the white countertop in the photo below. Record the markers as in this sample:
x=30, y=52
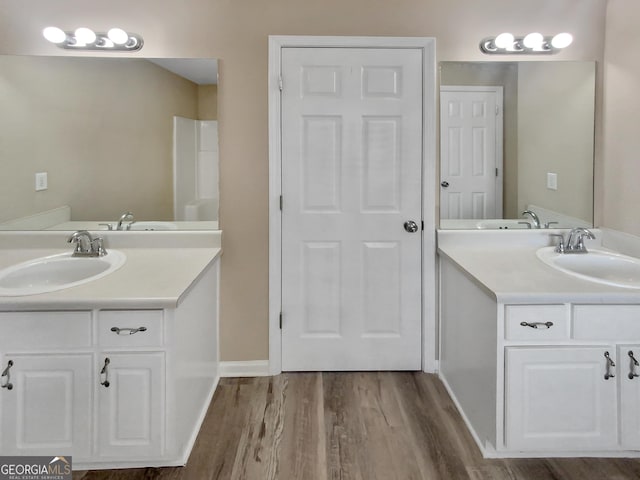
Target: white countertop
x=509, y=270
x=150, y=278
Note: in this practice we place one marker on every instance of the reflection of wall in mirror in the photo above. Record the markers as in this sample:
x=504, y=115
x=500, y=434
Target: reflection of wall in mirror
x=555, y=126
x=101, y=128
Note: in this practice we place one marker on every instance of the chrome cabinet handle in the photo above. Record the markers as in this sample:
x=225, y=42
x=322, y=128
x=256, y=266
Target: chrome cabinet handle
x=610, y=363
x=632, y=364
x=537, y=324
x=411, y=226
x=128, y=331
x=105, y=372
x=7, y=373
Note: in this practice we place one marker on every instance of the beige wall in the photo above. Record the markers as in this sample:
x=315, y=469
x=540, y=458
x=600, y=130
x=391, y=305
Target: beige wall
x=555, y=124
x=207, y=102
x=101, y=129
x=236, y=32
x=503, y=75
x=621, y=176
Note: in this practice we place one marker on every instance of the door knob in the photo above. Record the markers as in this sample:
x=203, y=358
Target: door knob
x=444, y=184
x=411, y=226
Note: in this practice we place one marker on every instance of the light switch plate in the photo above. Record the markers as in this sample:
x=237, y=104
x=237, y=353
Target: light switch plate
x=41, y=181
x=552, y=181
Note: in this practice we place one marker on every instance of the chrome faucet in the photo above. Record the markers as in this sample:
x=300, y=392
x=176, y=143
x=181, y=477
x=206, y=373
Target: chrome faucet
x=577, y=245
x=575, y=242
x=123, y=217
x=534, y=218
x=86, y=245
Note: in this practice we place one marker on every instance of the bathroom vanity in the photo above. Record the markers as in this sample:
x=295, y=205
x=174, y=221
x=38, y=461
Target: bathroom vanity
x=118, y=372
x=539, y=363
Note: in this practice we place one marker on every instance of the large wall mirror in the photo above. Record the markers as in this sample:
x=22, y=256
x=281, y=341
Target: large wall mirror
x=516, y=137
x=111, y=135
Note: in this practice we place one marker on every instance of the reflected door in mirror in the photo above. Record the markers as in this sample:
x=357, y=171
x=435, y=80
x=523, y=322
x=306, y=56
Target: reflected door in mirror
x=471, y=152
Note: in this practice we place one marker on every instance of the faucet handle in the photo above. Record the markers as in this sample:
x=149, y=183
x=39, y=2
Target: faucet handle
x=97, y=247
x=548, y=224
x=560, y=247
x=108, y=225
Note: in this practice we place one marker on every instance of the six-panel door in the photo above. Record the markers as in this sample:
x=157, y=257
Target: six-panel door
x=351, y=178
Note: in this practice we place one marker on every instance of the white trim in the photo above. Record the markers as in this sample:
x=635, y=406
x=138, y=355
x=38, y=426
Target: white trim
x=253, y=368
x=427, y=45
x=499, y=147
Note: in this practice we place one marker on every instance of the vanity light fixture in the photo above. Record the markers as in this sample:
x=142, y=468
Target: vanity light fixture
x=83, y=38
x=533, y=43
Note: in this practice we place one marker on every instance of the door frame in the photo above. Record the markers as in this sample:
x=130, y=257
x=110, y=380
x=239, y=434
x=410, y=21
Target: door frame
x=499, y=145
x=429, y=181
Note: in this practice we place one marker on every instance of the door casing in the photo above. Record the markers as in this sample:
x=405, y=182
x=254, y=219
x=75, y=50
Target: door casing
x=429, y=181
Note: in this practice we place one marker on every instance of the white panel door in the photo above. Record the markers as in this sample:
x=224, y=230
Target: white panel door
x=558, y=398
x=351, y=178
x=629, y=378
x=48, y=409
x=470, y=152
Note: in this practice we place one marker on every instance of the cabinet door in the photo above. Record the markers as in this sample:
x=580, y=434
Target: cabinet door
x=48, y=409
x=628, y=355
x=558, y=398
x=131, y=408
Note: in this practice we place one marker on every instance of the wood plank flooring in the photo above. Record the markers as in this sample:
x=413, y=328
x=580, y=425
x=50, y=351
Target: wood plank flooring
x=350, y=426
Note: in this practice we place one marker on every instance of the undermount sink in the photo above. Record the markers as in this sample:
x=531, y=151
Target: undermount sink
x=599, y=266
x=57, y=272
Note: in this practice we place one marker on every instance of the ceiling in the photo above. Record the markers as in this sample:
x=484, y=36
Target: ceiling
x=202, y=71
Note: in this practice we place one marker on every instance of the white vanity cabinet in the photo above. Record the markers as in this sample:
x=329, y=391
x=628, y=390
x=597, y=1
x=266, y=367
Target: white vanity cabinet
x=48, y=370
x=556, y=397
x=131, y=408
x=48, y=409
x=112, y=387
x=629, y=382
x=540, y=378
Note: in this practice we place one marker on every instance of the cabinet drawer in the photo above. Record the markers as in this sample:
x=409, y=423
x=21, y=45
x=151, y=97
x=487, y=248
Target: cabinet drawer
x=130, y=328
x=550, y=321
x=606, y=322
x=44, y=330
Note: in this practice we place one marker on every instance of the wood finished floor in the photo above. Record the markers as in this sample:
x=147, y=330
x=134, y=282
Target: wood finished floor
x=343, y=426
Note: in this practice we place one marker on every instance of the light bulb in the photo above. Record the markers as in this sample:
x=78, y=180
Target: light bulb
x=54, y=34
x=533, y=41
x=561, y=40
x=504, y=40
x=118, y=36
x=85, y=35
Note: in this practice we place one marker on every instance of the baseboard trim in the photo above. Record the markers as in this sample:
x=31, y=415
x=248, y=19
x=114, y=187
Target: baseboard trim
x=253, y=368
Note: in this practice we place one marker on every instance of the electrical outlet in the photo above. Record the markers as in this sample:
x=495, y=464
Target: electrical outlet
x=552, y=181
x=41, y=181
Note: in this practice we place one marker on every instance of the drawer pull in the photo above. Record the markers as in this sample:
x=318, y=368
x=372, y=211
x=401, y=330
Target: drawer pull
x=547, y=325
x=128, y=331
x=610, y=363
x=632, y=364
x=105, y=372
x=7, y=373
